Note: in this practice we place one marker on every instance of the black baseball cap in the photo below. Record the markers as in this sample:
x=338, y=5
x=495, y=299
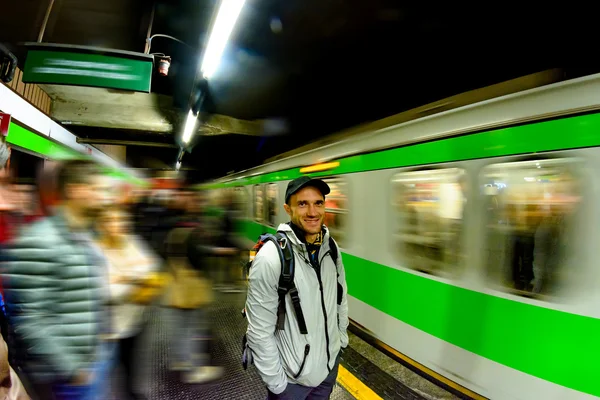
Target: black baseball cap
x=304, y=181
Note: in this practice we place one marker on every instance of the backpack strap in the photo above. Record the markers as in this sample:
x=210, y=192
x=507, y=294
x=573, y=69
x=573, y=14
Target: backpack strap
x=287, y=285
x=334, y=255
x=286, y=278
x=334, y=250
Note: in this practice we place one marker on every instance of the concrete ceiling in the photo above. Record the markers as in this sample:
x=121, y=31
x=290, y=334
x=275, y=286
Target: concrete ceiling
x=147, y=112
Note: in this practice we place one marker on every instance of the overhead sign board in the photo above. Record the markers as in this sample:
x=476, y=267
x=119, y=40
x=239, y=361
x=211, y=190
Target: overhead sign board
x=87, y=66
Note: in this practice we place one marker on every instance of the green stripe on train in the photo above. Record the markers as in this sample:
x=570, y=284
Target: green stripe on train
x=556, y=346
x=566, y=133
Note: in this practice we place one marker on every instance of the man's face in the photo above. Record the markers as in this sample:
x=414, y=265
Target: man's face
x=91, y=197
x=307, y=209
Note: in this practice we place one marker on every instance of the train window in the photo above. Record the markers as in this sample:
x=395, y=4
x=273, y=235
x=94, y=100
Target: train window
x=259, y=206
x=530, y=208
x=336, y=210
x=429, y=207
x=214, y=198
x=240, y=199
x=272, y=203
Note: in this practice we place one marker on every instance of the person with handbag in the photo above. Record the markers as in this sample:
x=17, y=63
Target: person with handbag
x=188, y=297
x=132, y=269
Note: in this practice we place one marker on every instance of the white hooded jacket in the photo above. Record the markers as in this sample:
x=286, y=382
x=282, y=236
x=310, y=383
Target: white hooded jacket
x=279, y=355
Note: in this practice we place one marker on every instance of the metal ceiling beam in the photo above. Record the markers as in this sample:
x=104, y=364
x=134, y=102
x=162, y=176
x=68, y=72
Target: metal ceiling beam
x=125, y=142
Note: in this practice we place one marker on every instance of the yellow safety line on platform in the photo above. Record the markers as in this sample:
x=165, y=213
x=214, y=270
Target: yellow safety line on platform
x=354, y=386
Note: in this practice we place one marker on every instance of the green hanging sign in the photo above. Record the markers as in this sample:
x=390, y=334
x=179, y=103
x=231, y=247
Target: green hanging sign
x=88, y=66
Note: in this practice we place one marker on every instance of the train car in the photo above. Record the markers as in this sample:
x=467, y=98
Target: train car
x=469, y=237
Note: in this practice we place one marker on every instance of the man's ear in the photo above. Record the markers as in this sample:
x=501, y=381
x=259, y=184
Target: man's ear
x=287, y=209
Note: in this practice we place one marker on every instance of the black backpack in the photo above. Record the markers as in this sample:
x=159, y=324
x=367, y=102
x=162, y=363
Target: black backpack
x=286, y=282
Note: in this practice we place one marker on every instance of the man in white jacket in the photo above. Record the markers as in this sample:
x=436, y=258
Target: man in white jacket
x=294, y=365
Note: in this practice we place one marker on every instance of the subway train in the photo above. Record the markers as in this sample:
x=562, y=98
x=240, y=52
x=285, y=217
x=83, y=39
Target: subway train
x=469, y=236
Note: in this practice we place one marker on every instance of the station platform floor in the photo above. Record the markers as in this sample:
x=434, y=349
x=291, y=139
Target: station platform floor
x=365, y=372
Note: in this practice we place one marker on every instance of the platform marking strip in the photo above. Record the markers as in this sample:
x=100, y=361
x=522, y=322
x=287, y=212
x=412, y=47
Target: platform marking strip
x=355, y=386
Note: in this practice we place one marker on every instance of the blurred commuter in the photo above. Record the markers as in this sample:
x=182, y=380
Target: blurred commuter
x=131, y=262
x=203, y=250
x=11, y=387
x=188, y=297
x=167, y=218
x=56, y=292
x=230, y=267
x=5, y=206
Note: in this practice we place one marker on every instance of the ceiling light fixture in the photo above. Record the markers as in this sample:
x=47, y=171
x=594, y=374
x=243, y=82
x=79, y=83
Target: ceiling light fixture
x=190, y=124
x=227, y=16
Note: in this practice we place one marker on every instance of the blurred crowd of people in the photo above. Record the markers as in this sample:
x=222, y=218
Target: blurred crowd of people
x=83, y=263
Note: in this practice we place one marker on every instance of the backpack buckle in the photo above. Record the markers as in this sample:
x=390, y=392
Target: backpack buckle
x=282, y=291
x=283, y=242
x=294, y=296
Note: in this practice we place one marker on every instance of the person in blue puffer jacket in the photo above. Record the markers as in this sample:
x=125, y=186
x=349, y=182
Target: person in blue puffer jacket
x=56, y=287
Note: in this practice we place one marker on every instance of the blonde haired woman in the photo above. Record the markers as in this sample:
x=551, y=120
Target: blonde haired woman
x=130, y=265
